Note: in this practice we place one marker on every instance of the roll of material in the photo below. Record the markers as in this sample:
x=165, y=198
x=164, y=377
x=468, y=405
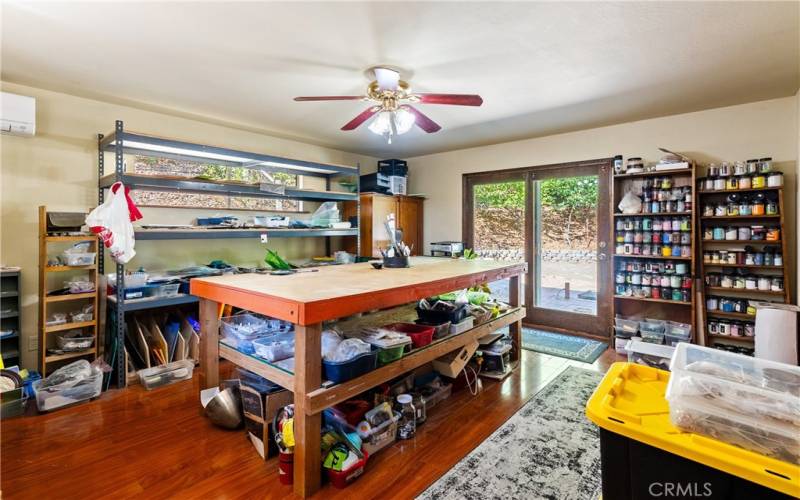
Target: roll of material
x=776, y=332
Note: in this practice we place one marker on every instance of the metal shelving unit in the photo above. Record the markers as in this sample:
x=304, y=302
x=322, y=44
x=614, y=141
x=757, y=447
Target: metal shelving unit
x=10, y=316
x=121, y=142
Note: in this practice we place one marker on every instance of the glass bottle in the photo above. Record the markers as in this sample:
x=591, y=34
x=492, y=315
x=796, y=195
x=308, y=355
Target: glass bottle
x=407, y=426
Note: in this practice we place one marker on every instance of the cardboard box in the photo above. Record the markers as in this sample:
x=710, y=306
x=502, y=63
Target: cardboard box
x=260, y=409
x=450, y=365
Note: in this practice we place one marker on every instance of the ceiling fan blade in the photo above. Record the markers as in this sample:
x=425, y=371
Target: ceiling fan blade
x=330, y=98
x=387, y=78
x=361, y=118
x=422, y=121
x=455, y=99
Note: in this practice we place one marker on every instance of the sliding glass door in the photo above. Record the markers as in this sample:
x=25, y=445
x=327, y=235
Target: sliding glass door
x=556, y=219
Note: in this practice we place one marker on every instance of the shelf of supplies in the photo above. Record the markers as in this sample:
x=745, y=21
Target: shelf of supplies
x=744, y=266
x=659, y=257
x=650, y=299
x=74, y=237
x=683, y=171
x=732, y=315
x=9, y=293
x=8, y=314
x=189, y=185
x=745, y=242
x=14, y=335
x=200, y=233
x=50, y=358
x=70, y=296
x=721, y=191
x=55, y=269
x=68, y=326
x=659, y=214
x=153, y=302
x=720, y=289
x=147, y=145
x=13, y=354
x=731, y=337
x=739, y=217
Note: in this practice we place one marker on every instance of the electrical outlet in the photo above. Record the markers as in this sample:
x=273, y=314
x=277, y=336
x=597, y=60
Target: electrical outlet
x=33, y=344
x=264, y=238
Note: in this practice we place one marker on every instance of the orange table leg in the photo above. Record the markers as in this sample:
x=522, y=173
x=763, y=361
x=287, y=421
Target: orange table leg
x=209, y=343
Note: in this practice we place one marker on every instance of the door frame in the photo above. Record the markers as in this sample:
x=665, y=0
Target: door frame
x=593, y=326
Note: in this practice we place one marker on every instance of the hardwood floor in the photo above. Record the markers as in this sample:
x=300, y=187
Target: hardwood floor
x=156, y=444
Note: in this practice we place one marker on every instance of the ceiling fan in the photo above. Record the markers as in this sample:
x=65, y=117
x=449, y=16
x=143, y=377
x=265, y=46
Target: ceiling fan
x=395, y=114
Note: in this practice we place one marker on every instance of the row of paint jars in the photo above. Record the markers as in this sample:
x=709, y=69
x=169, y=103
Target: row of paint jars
x=735, y=205
x=729, y=305
x=657, y=224
x=666, y=238
x=653, y=266
x=739, y=168
x=738, y=349
x=750, y=257
x=654, y=292
x=745, y=282
x=655, y=249
x=741, y=233
x=755, y=181
x=731, y=328
x=661, y=280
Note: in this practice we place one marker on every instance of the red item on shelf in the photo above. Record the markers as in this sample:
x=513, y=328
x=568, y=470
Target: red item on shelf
x=341, y=479
x=353, y=410
x=420, y=335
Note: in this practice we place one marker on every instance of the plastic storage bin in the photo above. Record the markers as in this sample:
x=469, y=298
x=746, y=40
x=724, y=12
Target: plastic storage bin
x=420, y=335
x=640, y=448
x=649, y=354
x=439, y=329
x=382, y=436
x=79, y=259
x=438, y=317
x=752, y=403
x=462, y=326
x=72, y=342
x=435, y=396
x=275, y=347
x=626, y=326
x=166, y=374
x=677, y=332
x=343, y=478
x=342, y=371
x=240, y=330
x=168, y=290
x=388, y=355
x=53, y=398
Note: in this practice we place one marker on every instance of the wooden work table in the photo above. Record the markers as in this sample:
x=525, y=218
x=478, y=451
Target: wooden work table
x=333, y=292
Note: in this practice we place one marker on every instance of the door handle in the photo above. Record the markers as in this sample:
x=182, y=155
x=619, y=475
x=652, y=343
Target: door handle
x=602, y=244
x=601, y=256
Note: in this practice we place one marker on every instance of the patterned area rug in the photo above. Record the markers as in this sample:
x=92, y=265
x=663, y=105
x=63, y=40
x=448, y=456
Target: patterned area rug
x=547, y=450
x=564, y=346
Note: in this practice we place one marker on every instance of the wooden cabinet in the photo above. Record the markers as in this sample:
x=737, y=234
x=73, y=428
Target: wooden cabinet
x=374, y=209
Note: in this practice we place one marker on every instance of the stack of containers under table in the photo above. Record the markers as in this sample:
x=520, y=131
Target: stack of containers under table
x=748, y=402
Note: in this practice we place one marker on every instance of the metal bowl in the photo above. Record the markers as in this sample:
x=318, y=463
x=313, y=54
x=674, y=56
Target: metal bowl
x=225, y=409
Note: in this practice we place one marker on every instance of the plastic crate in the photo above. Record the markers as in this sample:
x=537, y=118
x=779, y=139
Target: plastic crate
x=649, y=354
x=342, y=371
x=420, y=335
x=66, y=342
x=750, y=402
x=275, y=347
x=168, y=290
x=382, y=436
x=627, y=325
x=343, y=478
x=462, y=326
x=439, y=329
x=438, y=317
x=166, y=374
x=388, y=355
x=435, y=396
x=240, y=330
x=79, y=259
x=53, y=398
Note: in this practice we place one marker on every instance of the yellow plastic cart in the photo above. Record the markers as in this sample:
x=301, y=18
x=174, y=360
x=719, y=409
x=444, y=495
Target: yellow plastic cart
x=644, y=456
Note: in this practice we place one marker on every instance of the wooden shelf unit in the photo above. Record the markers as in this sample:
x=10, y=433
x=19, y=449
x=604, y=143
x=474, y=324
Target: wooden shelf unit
x=641, y=307
x=47, y=303
x=739, y=293
x=10, y=283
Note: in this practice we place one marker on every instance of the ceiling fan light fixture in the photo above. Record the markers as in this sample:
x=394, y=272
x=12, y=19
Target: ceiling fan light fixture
x=390, y=123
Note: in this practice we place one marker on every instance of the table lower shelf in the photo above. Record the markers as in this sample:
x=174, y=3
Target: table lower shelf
x=325, y=397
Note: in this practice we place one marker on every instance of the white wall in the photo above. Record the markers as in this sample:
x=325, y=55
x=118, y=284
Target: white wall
x=58, y=168
x=766, y=128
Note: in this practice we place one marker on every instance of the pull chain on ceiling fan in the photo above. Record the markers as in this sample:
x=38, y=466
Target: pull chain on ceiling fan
x=394, y=115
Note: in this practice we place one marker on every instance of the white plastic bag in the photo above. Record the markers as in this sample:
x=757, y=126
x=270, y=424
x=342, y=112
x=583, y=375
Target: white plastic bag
x=111, y=221
x=630, y=204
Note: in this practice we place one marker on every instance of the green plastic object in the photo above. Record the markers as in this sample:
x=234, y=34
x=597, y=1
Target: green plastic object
x=275, y=261
x=389, y=355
